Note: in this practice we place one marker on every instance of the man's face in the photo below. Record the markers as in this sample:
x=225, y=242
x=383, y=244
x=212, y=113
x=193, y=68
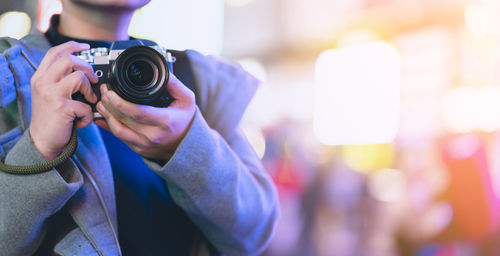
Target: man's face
x=118, y=4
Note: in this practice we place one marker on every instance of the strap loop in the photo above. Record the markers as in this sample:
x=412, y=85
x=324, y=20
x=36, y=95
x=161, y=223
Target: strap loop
x=45, y=166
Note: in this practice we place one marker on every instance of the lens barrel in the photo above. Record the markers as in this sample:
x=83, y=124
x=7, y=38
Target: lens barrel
x=140, y=75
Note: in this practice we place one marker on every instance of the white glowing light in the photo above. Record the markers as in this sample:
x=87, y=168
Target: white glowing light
x=357, y=95
x=387, y=185
x=261, y=111
x=254, y=67
x=468, y=109
x=47, y=9
x=483, y=20
x=14, y=24
x=188, y=24
x=238, y=3
x=271, y=105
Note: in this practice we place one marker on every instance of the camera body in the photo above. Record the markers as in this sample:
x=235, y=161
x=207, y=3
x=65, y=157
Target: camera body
x=138, y=73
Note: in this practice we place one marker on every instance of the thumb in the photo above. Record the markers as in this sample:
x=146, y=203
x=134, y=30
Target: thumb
x=177, y=89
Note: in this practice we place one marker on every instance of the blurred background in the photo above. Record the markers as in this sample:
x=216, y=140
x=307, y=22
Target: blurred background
x=377, y=119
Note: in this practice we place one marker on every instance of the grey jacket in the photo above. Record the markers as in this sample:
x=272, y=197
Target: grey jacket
x=214, y=175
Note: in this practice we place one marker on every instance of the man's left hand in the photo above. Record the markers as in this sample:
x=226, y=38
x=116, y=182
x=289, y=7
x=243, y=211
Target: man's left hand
x=151, y=132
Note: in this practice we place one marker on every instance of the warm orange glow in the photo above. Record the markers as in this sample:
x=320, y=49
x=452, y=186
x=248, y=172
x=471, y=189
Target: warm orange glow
x=470, y=189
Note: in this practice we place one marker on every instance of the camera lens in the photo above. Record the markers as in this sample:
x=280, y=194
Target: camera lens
x=140, y=73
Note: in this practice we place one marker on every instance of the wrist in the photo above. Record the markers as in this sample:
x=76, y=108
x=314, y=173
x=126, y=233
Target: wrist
x=171, y=148
x=41, y=148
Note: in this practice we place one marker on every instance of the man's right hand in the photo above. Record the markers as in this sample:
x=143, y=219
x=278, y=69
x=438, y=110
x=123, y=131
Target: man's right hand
x=53, y=111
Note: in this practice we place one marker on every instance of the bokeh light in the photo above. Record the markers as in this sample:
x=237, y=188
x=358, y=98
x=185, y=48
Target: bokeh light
x=357, y=95
x=47, y=8
x=483, y=20
x=254, y=67
x=367, y=158
x=14, y=24
x=358, y=37
x=387, y=185
x=467, y=109
x=238, y=3
x=438, y=217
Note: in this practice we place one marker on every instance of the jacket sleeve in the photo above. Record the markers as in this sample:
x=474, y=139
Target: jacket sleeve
x=215, y=175
x=28, y=200
x=223, y=187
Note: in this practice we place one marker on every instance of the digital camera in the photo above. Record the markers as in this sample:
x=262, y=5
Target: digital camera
x=138, y=73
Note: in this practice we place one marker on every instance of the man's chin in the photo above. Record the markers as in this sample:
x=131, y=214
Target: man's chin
x=111, y=5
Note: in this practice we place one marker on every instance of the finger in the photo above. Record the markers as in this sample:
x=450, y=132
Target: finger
x=102, y=123
x=146, y=132
x=122, y=118
x=55, y=52
x=178, y=90
x=66, y=64
x=81, y=111
x=120, y=130
x=126, y=110
x=78, y=82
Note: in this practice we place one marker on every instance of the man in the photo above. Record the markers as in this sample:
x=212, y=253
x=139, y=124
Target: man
x=191, y=186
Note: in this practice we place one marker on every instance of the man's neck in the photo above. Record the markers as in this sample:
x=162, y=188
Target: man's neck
x=91, y=24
